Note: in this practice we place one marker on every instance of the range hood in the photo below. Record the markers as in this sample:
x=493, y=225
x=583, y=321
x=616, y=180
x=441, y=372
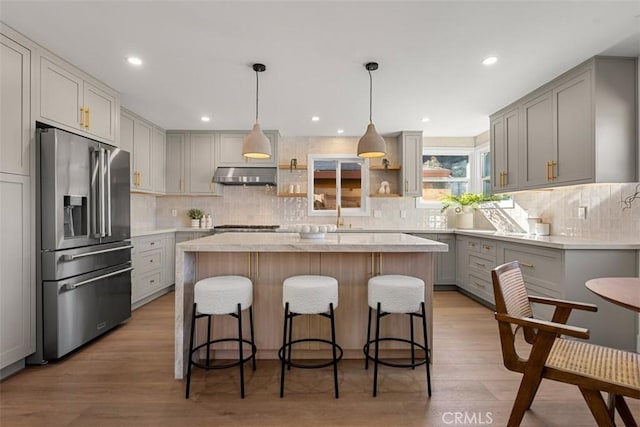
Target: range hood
x=245, y=176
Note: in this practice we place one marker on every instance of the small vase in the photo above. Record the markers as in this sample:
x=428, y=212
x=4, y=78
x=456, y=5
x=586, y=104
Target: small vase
x=465, y=218
x=195, y=223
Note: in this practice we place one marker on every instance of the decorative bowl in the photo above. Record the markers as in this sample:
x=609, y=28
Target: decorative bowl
x=313, y=231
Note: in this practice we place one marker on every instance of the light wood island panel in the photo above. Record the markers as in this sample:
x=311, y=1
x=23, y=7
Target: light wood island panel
x=269, y=258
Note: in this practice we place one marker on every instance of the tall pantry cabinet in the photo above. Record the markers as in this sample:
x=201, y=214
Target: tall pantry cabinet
x=17, y=218
x=35, y=86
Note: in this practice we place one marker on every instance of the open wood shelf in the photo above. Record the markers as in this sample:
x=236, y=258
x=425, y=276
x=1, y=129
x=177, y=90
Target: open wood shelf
x=384, y=195
x=288, y=167
x=382, y=168
x=292, y=194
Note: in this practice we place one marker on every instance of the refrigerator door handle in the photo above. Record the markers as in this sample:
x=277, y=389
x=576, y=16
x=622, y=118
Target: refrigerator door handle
x=94, y=194
x=107, y=164
x=101, y=174
x=72, y=257
x=72, y=286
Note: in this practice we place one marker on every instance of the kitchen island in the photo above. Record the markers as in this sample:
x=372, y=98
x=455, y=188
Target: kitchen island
x=269, y=258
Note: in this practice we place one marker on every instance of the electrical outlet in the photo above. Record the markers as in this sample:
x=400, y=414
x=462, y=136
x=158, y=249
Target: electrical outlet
x=403, y=213
x=582, y=212
x=174, y=212
x=377, y=213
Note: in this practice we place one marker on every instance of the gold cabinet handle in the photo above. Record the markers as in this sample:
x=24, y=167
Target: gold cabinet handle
x=88, y=124
x=501, y=179
x=524, y=264
x=82, y=125
x=549, y=171
x=504, y=179
x=372, y=264
x=553, y=172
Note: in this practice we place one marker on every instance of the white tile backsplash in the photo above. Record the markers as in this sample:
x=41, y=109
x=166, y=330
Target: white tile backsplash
x=606, y=217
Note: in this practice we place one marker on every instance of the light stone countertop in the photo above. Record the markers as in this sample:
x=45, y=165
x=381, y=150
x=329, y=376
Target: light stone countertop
x=292, y=242
x=151, y=231
x=557, y=242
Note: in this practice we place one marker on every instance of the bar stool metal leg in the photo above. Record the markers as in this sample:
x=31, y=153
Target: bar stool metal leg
x=253, y=341
x=366, y=359
x=413, y=349
x=290, y=340
x=240, y=351
x=208, y=340
x=375, y=360
x=193, y=327
x=426, y=348
x=284, y=342
x=333, y=347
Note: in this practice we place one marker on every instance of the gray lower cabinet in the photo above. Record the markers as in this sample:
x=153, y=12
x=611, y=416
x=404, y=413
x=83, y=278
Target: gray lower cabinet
x=562, y=274
x=154, y=267
x=475, y=259
x=554, y=273
x=183, y=236
x=444, y=263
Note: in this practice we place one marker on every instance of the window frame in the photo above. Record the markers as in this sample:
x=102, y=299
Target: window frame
x=474, y=170
x=363, y=210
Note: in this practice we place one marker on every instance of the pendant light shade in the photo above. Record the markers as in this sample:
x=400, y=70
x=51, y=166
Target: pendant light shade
x=371, y=144
x=256, y=145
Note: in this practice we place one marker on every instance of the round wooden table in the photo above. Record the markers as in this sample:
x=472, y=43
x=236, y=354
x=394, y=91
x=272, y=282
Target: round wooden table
x=624, y=291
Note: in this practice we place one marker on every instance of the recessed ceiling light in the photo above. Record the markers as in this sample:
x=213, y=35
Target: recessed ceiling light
x=315, y=118
x=205, y=118
x=490, y=60
x=340, y=131
x=425, y=119
x=134, y=60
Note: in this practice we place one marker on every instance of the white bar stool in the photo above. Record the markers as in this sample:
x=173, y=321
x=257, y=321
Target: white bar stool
x=396, y=294
x=221, y=295
x=309, y=295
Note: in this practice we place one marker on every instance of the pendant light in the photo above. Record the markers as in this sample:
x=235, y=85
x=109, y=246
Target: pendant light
x=256, y=145
x=371, y=144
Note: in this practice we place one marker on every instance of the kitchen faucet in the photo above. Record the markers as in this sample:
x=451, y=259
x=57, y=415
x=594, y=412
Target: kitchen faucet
x=339, y=221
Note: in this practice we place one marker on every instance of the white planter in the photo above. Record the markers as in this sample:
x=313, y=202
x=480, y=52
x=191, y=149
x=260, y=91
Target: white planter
x=465, y=218
x=195, y=223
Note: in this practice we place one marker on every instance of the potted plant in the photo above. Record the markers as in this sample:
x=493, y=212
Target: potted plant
x=195, y=215
x=464, y=204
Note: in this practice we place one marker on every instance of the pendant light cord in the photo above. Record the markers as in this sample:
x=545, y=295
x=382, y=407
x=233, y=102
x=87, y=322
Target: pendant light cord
x=257, y=94
x=370, y=96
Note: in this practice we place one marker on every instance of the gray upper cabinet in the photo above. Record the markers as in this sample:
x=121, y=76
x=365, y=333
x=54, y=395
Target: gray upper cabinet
x=410, y=145
x=229, y=150
x=190, y=163
x=146, y=143
x=505, y=129
x=158, y=160
x=71, y=100
x=580, y=128
x=537, y=142
x=15, y=102
x=174, y=175
x=201, y=163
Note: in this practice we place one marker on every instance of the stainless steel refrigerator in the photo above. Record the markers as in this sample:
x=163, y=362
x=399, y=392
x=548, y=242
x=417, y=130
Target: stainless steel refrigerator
x=83, y=221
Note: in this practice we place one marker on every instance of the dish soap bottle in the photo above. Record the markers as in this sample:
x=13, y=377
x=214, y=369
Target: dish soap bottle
x=209, y=222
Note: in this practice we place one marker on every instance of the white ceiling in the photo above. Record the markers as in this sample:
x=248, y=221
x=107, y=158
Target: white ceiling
x=198, y=55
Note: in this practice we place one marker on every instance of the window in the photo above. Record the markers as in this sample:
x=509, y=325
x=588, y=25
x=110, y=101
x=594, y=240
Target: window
x=337, y=180
x=484, y=158
x=445, y=171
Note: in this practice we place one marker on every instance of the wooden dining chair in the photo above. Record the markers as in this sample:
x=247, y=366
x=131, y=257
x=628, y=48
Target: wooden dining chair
x=593, y=368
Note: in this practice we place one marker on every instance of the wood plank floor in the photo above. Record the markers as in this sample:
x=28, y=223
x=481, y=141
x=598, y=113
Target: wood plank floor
x=126, y=379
